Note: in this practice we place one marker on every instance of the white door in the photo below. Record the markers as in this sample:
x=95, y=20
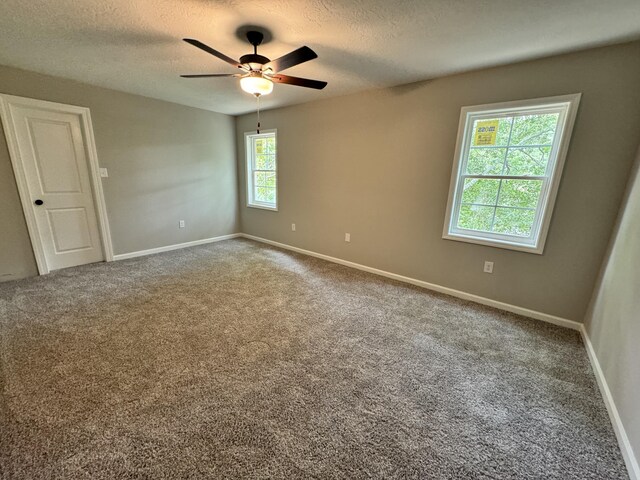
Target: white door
x=53, y=153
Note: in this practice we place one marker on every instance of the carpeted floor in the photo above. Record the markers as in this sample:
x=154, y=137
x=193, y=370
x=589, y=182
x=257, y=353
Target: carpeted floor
x=238, y=360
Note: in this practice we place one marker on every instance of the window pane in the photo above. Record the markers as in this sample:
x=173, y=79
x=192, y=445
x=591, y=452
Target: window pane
x=475, y=217
x=260, y=195
x=265, y=194
x=265, y=161
x=501, y=134
x=270, y=144
x=269, y=179
x=259, y=179
x=514, y=221
x=520, y=193
x=534, y=129
x=527, y=161
x=271, y=195
x=486, y=161
x=504, y=129
x=480, y=191
x=260, y=145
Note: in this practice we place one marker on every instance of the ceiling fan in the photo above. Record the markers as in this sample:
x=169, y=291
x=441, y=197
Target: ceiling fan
x=258, y=72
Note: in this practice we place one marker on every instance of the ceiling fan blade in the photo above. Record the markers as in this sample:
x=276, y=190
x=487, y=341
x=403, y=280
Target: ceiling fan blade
x=204, y=75
x=215, y=53
x=300, y=82
x=301, y=55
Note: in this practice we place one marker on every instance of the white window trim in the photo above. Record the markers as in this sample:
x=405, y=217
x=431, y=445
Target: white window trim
x=548, y=195
x=248, y=136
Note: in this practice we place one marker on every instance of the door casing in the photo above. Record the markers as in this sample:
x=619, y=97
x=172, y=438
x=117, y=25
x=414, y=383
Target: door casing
x=18, y=169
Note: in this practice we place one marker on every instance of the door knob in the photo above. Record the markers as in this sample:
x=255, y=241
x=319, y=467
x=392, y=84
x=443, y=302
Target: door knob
x=38, y=202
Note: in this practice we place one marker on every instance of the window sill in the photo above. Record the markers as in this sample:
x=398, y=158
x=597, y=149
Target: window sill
x=262, y=207
x=504, y=244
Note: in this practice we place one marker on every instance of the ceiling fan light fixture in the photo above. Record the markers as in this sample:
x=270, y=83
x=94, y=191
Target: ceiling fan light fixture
x=256, y=85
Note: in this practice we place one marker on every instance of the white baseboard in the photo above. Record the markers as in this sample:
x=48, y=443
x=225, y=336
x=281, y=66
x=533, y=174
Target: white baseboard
x=623, y=440
x=563, y=322
x=177, y=246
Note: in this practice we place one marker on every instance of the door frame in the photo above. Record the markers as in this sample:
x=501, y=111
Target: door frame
x=21, y=180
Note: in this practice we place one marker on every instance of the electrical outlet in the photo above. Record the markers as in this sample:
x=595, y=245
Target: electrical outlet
x=181, y=224
x=293, y=227
x=488, y=267
x=347, y=237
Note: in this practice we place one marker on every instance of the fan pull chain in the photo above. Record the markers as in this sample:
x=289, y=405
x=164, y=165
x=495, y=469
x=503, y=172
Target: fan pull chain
x=258, y=100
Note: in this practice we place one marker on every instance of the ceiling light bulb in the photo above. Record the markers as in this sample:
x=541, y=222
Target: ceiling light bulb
x=256, y=85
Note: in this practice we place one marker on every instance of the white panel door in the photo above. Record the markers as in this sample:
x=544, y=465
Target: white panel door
x=53, y=153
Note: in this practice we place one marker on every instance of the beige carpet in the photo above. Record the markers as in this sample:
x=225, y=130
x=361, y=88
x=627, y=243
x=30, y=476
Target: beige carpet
x=238, y=360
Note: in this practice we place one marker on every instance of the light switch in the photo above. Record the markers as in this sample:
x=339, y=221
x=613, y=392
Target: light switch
x=103, y=172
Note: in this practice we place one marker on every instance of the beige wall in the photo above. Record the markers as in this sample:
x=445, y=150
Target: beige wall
x=16, y=255
x=378, y=165
x=166, y=163
x=613, y=319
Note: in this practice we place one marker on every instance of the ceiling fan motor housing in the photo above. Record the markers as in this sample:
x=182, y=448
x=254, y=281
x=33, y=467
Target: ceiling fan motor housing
x=254, y=59
x=255, y=38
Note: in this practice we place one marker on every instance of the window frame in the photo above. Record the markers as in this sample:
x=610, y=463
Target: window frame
x=249, y=170
x=551, y=180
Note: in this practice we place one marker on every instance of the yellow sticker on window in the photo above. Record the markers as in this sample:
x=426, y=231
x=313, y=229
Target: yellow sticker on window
x=486, y=132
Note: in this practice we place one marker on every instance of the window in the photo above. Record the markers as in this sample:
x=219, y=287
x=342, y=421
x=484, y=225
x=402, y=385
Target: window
x=262, y=188
x=506, y=172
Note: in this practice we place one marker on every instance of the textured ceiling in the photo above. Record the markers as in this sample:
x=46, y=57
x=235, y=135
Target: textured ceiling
x=135, y=45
